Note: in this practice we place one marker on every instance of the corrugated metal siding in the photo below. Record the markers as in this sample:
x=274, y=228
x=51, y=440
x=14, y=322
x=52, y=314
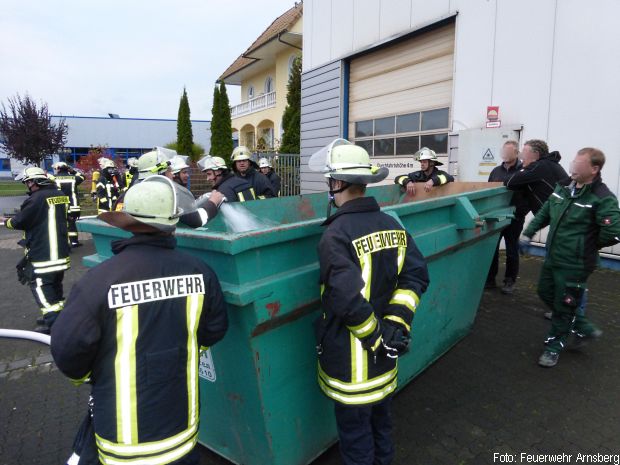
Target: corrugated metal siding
x=320, y=118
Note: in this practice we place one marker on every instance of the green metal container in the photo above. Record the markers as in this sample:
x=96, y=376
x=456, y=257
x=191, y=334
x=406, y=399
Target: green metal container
x=260, y=402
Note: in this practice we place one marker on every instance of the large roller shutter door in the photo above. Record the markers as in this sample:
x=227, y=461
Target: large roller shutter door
x=400, y=95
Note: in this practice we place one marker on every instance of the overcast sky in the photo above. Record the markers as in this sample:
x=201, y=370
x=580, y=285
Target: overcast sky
x=131, y=57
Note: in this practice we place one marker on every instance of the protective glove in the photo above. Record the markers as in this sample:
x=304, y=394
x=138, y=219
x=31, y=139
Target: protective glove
x=372, y=342
x=524, y=243
x=395, y=340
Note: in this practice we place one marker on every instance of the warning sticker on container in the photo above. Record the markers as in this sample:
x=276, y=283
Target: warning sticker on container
x=206, y=368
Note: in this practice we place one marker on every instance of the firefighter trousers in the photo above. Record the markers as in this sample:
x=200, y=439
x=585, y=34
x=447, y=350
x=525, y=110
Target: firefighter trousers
x=365, y=433
x=47, y=291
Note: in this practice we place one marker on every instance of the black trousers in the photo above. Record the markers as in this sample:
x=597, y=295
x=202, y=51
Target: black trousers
x=47, y=291
x=365, y=433
x=72, y=218
x=511, y=238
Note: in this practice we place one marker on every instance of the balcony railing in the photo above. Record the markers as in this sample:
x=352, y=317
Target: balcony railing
x=253, y=105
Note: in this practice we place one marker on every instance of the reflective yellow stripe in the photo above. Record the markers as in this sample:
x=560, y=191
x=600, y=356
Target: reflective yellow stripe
x=125, y=373
x=442, y=178
x=359, y=370
x=405, y=297
x=52, y=232
x=9, y=223
x=253, y=193
x=51, y=262
x=161, y=459
x=366, y=265
x=82, y=380
x=52, y=269
x=357, y=387
x=193, y=310
x=364, y=329
x=358, y=399
x=399, y=320
x=153, y=447
x=400, y=259
x=241, y=197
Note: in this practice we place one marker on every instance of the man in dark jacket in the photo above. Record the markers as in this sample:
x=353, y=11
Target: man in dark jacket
x=43, y=218
x=583, y=217
x=509, y=166
x=540, y=173
x=372, y=277
x=245, y=168
x=233, y=188
x=265, y=167
x=136, y=332
x=429, y=174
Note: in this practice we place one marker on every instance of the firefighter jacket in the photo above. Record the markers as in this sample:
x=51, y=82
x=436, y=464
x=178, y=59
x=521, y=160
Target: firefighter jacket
x=275, y=181
x=109, y=187
x=43, y=218
x=438, y=176
x=259, y=182
x=370, y=271
x=131, y=176
x=135, y=332
x=538, y=179
x=581, y=221
x=235, y=188
x=501, y=174
x=68, y=182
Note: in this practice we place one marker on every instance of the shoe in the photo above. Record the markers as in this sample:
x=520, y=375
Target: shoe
x=548, y=315
x=76, y=244
x=582, y=340
x=509, y=286
x=548, y=359
x=40, y=321
x=490, y=285
x=43, y=329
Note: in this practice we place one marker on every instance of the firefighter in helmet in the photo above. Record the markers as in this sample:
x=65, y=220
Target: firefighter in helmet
x=429, y=174
x=266, y=167
x=68, y=179
x=233, y=188
x=372, y=276
x=246, y=168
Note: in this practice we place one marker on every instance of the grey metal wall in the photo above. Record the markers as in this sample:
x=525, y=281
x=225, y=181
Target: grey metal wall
x=320, y=118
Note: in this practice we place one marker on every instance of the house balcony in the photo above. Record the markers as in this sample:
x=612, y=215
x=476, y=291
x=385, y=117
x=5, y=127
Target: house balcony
x=253, y=105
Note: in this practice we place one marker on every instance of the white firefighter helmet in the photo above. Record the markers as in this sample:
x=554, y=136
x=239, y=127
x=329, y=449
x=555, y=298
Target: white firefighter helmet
x=264, y=163
x=106, y=163
x=154, y=162
x=347, y=162
x=132, y=162
x=59, y=165
x=426, y=154
x=33, y=173
x=241, y=153
x=147, y=205
x=212, y=163
x=178, y=163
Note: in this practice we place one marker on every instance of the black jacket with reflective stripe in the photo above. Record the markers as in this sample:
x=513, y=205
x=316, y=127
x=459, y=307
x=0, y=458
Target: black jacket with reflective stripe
x=438, y=176
x=259, y=182
x=136, y=331
x=43, y=218
x=234, y=188
x=360, y=254
x=276, y=182
x=68, y=183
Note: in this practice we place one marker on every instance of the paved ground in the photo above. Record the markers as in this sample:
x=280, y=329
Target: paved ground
x=486, y=396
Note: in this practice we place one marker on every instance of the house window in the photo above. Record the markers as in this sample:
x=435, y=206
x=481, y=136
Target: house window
x=405, y=134
x=268, y=85
x=250, y=92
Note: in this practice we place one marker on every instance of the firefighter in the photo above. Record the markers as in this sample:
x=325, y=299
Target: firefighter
x=265, y=167
x=583, y=217
x=180, y=170
x=68, y=179
x=233, y=188
x=429, y=174
x=109, y=186
x=245, y=168
x=95, y=178
x=195, y=214
x=372, y=276
x=43, y=218
x=136, y=333
x=131, y=172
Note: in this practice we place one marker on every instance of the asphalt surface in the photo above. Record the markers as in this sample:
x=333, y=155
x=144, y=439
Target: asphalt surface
x=484, y=398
